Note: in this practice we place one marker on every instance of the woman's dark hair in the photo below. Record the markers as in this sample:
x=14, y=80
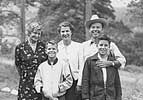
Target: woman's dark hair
x=65, y=24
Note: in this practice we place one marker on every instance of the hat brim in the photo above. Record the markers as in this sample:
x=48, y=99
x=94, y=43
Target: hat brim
x=102, y=21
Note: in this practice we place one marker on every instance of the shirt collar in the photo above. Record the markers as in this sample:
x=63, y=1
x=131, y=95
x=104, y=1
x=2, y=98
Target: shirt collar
x=55, y=61
x=92, y=42
x=101, y=57
x=28, y=41
x=95, y=57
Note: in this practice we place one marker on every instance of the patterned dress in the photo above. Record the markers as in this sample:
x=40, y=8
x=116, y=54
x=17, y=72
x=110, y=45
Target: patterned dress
x=27, y=62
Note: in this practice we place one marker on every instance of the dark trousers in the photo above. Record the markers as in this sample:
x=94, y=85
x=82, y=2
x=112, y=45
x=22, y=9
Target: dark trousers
x=72, y=93
x=44, y=98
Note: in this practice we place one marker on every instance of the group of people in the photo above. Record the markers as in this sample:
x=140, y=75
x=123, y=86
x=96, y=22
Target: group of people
x=69, y=70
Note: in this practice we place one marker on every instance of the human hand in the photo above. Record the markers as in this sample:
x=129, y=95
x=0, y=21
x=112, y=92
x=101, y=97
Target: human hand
x=55, y=95
x=47, y=94
x=104, y=64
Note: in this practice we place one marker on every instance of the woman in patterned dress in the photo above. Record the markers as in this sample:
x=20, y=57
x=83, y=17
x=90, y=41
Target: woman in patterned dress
x=28, y=56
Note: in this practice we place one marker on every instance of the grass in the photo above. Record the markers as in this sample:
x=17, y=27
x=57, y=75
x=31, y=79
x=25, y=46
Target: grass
x=132, y=83
x=8, y=72
x=8, y=77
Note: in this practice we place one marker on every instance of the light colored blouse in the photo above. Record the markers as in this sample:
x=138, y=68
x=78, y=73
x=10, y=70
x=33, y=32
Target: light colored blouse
x=73, y=55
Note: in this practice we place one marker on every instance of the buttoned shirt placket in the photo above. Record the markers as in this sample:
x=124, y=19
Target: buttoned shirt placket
x=104, y=71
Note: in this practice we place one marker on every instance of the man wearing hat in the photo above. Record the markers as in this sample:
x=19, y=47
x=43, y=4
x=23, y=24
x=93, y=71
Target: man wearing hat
x=96, y=26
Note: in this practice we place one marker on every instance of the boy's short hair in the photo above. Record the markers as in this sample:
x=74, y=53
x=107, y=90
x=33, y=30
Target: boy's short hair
x=52, y=42
x=65, y=24
x=104, y=37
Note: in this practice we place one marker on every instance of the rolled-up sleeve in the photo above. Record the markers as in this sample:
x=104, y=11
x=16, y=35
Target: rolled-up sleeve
x=81, y=65
x=118, y=55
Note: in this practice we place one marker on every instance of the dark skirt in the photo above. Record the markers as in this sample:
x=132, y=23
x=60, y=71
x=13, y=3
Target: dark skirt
x=59, y=98
x=28, y=92
x=72, y=93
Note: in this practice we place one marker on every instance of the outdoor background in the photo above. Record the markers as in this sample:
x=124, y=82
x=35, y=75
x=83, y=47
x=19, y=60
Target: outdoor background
x=125, y=27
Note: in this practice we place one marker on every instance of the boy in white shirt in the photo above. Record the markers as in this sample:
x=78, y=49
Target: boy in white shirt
x=53, y=77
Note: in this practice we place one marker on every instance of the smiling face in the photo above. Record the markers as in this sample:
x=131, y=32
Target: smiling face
x=34, y=36
x=95, y=29
x=65, y=33
x=51, y=50
x=103, y=47
x=34, y=30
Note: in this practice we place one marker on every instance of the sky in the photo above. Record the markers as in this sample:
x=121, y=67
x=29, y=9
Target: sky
x=120, y=3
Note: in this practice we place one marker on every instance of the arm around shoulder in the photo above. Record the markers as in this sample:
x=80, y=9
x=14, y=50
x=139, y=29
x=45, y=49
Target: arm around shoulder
x=118, y=55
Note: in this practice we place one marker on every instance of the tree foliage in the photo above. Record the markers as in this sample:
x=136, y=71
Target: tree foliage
x=7, y=14
x=52, y=12
x=134, y=45
x=103, y=8
x=136, y=11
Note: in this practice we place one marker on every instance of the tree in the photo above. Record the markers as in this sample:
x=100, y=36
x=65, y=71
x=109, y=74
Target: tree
x=22, y=10
x=10, y=13
x=88, y=13
x=136, y=11
x=103, y=8
x=52, y=12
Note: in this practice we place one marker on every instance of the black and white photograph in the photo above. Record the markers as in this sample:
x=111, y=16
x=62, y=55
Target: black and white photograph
x=71, y=49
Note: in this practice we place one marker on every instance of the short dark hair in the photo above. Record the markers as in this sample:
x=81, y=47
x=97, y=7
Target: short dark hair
x=104, y=37
x=65, y=24
x=52, y=42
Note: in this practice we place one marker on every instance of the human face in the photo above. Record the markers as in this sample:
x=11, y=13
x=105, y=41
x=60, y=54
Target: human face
x=51, y=50
x=103, y=47
x=65, y=33
x=95, y=29
x=34, y=36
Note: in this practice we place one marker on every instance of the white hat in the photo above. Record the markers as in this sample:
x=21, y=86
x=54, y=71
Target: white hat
x=95, y=19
